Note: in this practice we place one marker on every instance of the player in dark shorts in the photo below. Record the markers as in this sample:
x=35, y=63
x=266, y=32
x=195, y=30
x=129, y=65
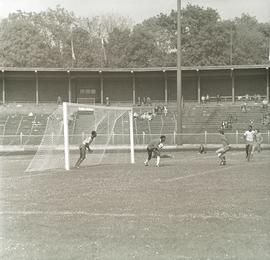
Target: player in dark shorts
x=224, y=149
x=85, y=145
x=154, y=147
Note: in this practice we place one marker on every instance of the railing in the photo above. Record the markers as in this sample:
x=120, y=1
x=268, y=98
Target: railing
x=123, y=139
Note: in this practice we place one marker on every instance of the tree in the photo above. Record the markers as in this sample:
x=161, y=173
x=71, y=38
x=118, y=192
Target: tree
x=17, y=35
x=116, y=48
x=249, y=41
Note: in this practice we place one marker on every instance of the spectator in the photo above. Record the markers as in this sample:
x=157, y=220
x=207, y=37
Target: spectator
x=107, y=101
x=139, y=101
x=207, y=99
x=59, y=101
x=148, y=101
x=264, y=104
x=244, y=107
x=247, y=97
x=203, y=99
x=256, y=98
x=223, y=125
x=218, y=98
x=144, y=101
x=135, y=115
x=165, y=110
x=159, y=110
x=239, y=98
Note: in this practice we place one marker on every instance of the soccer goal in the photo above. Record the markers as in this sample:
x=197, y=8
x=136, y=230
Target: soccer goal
x=70, y=124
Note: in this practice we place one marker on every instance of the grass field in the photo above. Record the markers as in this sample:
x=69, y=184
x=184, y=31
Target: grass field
x=189, y=208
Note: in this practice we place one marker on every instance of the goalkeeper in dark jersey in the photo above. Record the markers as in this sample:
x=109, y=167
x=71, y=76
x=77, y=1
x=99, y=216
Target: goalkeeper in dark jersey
x=154, y=147
x=85, y=145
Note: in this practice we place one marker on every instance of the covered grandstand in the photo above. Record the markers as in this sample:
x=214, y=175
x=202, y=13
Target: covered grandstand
x=29, y=96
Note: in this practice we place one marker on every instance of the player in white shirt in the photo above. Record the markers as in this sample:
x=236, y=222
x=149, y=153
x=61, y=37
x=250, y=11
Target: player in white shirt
x=249, y=137
x=85, y=145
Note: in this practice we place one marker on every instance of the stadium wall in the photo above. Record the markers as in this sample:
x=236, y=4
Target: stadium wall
x=126, y=85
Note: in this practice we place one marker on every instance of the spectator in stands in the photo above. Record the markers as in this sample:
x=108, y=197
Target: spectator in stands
x=239, y=98
x=59, y=101
x=148, y=101
x=247, y=97
x=223, y=125
x=266, y=119
x=107, y=101
x=255, y=98
x=139, y=101
x=144, y=101
x=264, y=104
x=203, y=99
x=207, y=99
x=218, y=98
x=165, y=110
x=135, y=115
x=244, y=107
x=159, y=110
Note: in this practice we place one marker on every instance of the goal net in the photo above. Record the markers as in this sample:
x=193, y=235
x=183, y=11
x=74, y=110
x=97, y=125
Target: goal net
x=69, y=125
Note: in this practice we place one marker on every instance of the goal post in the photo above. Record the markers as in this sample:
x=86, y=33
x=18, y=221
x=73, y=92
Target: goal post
x=69, y=125
x=66, y=135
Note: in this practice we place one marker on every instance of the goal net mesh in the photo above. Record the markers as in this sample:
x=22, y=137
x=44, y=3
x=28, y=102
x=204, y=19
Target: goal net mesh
x=112, y=144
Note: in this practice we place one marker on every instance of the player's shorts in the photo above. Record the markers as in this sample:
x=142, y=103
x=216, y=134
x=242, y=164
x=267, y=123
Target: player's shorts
x=223, y=149
x=153, y=151
x=82, y=151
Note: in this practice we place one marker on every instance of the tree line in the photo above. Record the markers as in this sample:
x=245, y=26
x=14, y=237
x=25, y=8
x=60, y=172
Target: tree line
x=59, y=38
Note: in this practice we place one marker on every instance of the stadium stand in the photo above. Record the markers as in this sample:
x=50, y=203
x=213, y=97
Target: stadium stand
x=29, y=121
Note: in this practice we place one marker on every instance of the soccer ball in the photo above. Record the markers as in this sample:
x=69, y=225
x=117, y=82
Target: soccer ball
x=160, y=146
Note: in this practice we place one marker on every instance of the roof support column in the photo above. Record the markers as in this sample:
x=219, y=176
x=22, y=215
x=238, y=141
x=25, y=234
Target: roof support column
x=233, y=85
x=133, y=88
x=37, y=88
x=3, y=88
x=69, y=87
x=267, y=85
x=101, y=87
x=199, y=86
x=165, y=86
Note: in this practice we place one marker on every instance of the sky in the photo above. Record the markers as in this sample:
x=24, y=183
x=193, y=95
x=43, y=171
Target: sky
x=138, y=10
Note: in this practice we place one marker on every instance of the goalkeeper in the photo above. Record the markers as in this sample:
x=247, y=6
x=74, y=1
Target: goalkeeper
x=154, y=147
x=85, y=145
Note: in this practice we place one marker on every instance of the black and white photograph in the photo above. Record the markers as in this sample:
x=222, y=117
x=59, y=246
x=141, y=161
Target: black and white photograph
x=134, y=130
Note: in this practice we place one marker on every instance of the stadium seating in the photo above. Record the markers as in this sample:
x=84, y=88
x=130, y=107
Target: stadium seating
x=29, y=121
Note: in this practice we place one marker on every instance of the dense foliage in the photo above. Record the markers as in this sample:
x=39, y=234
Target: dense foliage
x=57, y=38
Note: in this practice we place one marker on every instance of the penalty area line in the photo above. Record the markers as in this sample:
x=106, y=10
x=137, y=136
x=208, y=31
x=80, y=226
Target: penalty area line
x=222, y=168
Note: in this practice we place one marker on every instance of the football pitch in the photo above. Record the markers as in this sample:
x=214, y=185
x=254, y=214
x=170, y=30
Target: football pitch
x=189, y=208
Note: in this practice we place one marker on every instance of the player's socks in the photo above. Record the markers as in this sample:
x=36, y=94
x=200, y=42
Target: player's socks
x=158, y=160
